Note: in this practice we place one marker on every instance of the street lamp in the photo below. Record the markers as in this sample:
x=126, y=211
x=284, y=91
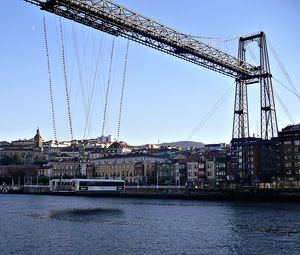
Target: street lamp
x=157, y=178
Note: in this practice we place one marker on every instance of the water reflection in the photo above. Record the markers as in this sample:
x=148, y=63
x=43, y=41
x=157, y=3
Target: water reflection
x=81, y=214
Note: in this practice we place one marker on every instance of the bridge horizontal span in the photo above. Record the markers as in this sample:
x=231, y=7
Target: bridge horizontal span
x=117, y=20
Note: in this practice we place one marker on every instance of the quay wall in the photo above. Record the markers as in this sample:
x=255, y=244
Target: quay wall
x=255, y=195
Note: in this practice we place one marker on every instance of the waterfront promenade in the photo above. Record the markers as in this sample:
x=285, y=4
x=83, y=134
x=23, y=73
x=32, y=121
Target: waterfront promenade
x=243, y=194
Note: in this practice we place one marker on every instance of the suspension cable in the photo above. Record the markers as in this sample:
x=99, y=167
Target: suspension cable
x=79, y=69
x=91, y=96
x=49, y=79
x=108, y=85
x=217, y=39
x=123, y=88
x=221, y=39
x=65, y=76
x=287, y=112
x=210, y=113
x=283, y=70
x=253, y=55
x=286, y=87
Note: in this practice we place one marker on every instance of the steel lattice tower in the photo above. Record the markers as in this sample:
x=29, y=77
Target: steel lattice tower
x=245, y=147
x=240, y=118
x=268, y=114
x=269, y=126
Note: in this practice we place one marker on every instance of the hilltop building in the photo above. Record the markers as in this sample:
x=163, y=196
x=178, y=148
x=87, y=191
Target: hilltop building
x=37, y=150
x=28, y=149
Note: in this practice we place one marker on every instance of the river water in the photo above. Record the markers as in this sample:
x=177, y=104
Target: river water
x=90, y=225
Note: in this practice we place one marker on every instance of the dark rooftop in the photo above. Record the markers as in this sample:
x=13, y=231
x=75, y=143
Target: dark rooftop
x=295, y=127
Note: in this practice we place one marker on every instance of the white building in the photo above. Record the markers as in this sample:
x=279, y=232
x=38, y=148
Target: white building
x=192, y=170
x=210, y=169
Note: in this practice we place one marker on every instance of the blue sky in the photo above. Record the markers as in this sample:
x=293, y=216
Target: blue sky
x=165, y=98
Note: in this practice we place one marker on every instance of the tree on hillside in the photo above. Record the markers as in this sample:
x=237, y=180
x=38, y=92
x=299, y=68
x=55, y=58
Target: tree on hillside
x=18, y=159
x=6, y=160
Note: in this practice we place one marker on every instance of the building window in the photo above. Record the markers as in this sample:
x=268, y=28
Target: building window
x=288, y=164
x=288, y=150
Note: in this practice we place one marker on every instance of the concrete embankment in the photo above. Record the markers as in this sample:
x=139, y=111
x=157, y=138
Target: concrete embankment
x=255, y=195
x=221, y=195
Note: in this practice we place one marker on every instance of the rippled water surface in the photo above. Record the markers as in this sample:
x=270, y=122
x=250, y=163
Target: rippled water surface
x=83, y=225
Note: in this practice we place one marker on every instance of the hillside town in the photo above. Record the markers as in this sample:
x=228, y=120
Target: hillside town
x=276, y=163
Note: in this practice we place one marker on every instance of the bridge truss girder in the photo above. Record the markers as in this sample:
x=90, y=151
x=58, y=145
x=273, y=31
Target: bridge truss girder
x=117, y=20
